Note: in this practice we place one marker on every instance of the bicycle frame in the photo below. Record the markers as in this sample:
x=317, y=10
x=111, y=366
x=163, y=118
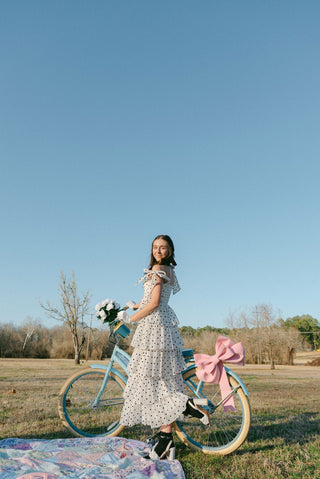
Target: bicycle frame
x=101, y=387
x=119, y=357
x=122, y=358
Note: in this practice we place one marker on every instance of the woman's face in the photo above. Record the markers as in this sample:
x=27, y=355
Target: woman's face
x=160, y=250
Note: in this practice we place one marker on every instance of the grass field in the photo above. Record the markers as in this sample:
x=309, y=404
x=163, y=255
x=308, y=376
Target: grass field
x=284, y=439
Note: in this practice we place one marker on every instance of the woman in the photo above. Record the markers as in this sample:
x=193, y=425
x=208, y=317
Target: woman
x=154, y=394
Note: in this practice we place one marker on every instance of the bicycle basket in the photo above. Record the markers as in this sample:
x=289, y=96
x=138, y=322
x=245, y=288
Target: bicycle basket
x=122, y=330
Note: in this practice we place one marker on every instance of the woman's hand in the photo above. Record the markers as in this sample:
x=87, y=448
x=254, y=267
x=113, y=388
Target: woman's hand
x=131, y=305
x=124, y=317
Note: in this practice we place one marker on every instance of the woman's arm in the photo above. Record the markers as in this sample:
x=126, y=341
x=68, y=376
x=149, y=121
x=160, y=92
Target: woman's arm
x=151, y=305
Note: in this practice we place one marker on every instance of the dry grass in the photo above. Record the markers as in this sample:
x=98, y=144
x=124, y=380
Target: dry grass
x=284, y=440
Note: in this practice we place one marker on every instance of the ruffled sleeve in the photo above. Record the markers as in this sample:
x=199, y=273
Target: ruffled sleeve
x=176, y=286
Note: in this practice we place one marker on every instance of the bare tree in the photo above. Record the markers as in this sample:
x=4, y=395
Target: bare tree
x=268, y=320
x=29, y=333
x=293, y=340
x=257, y=323
x=72, y=311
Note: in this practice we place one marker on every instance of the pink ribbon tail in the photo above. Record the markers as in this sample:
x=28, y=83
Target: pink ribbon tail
x=210, y=369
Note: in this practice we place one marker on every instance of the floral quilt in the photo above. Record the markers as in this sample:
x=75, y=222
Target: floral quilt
x=82, y=458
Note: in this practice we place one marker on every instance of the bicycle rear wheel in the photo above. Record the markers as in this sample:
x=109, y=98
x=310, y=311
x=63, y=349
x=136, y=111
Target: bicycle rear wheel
x=77, y=408
x=228, y=429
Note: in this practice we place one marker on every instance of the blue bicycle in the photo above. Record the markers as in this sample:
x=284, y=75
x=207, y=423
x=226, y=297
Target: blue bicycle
x=90, y=403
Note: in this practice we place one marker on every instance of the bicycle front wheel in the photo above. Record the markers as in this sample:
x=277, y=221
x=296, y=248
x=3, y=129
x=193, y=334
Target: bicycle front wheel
x=228, y=429
x=79, y=409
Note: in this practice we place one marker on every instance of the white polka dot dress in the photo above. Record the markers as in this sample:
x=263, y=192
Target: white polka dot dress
x=154, y=394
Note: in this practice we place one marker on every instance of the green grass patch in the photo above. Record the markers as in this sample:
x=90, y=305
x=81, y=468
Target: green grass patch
x=283, y=442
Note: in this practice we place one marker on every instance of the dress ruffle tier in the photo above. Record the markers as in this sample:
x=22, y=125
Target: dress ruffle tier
x=154, y=393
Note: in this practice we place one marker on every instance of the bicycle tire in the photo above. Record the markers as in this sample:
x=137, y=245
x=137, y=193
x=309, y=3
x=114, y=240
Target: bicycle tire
x=228, y=430
x=76, y=398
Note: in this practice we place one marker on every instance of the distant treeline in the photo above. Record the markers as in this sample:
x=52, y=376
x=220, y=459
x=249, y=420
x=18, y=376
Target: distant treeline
x=33, y=340
x=265, y=342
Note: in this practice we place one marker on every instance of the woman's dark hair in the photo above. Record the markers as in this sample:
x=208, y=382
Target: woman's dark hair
x=169, y=260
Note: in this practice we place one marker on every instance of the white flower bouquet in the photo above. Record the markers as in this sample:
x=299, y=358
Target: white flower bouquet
x=107, y=310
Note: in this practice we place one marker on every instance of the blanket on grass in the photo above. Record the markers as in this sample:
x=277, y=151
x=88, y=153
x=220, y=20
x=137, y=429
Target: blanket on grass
x=82, y=458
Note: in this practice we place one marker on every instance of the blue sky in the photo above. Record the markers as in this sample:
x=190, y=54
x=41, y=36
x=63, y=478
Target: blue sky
x=123, y=120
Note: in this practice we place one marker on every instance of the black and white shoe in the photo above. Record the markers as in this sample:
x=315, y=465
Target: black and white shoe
x=194, y=409
x=151, y=440
x=164, y=447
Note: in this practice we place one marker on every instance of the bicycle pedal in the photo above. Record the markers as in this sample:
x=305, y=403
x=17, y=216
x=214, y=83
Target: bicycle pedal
x=200, y=401
x=151, y=440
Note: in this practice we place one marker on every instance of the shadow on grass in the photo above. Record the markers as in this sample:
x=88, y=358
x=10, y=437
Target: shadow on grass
x=292, y=429
x=139, y=433
x=297, y=429
x=63, y=434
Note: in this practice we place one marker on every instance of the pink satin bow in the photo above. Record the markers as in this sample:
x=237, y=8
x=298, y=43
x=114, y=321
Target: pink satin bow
x=211, y=369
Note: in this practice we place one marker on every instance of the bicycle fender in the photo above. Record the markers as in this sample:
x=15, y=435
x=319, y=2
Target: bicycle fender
x=99, y=366
x=120, y=375
x=236, y=377
x=114, y=371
